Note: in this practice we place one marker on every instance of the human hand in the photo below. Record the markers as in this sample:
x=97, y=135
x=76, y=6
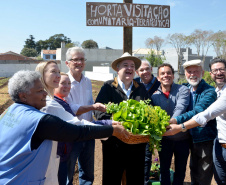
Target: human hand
x=173, y=121
x=115, y=122
x=120, y=132
x=100, y=107
x=172, y=129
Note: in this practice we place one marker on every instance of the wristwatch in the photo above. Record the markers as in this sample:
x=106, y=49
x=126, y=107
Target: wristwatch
x=184, y=129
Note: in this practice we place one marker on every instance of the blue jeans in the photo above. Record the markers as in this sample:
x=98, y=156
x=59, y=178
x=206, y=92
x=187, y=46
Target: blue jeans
x=180, y=149
x=84, y=152
x=219, y=160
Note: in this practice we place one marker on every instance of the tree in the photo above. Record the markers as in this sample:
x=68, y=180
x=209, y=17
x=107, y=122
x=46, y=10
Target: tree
x=219, y=43
x=55, y=41
x=30, y=43
x=202, y=41
x=29, y=52
x=73, y=44
x=156, y=43
x=178, y=40
x=90, y=44
x=41, y=45
x=154, y=60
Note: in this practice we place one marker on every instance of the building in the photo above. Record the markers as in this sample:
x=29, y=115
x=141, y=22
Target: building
x=48, y=54
x=11, y=62
x=185, y=54
x=144, y=52
x=95, y=57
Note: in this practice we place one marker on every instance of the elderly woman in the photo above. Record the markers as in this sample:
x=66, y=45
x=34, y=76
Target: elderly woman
x=26, y=133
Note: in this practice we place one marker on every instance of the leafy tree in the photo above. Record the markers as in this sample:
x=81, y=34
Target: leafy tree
x=55, y=41
x=91, y=44
x=30, y=43
x=154, y=60
x=41, y=45
x=29, y=52
x=73, y=44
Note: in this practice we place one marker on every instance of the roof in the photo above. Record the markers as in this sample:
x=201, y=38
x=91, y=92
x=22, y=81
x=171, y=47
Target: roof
x=13, y=56
x=144, y=51
x=52, y=52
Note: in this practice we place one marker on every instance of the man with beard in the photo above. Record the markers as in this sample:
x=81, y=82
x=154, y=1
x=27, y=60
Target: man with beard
x=203, y=95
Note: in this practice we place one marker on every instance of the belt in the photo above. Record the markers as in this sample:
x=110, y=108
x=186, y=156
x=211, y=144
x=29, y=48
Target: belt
x=223, y=145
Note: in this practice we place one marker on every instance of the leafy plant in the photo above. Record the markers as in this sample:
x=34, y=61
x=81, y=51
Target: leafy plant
x=141, y=118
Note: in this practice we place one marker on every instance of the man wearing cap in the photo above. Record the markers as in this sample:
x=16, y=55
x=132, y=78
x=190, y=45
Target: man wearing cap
x=216, y=110
x=203, y=95
x=151, y=84
x=118, y=156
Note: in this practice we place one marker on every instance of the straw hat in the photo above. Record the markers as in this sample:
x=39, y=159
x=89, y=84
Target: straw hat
x=193, y=63
x=126, y=56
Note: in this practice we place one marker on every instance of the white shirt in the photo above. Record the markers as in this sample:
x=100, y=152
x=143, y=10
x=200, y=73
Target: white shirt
x=216, y=110
x=80, y=94
x=122, y=85
x=54, y=108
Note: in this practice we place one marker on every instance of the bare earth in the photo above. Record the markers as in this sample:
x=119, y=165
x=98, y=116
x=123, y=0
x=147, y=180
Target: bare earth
x=98, y=168
x=98, y=148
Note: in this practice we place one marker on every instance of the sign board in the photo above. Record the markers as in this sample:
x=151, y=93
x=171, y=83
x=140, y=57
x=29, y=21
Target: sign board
x=127, y=15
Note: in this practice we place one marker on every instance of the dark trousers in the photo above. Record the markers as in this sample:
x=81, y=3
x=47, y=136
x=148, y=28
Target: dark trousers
x=147, y=164
x=201, y=163
x=117, y=157
x=180, y=149
x=219, y=159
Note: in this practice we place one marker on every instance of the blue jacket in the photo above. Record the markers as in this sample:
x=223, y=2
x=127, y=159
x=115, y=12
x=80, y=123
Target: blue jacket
x=204, y=97
x=154, y=87
x=176, y=104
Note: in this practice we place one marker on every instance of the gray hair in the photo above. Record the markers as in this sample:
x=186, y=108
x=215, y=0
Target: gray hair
x=145, y=61
x=22, y=82
x=74, y=50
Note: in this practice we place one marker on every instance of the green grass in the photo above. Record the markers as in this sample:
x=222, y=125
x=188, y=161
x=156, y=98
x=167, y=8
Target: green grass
x=3, y=80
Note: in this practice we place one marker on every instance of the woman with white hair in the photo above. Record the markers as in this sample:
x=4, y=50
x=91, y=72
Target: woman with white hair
x=27, y=133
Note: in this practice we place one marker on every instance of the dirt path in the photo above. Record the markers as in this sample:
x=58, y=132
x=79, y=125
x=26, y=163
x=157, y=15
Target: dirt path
x=98, y=167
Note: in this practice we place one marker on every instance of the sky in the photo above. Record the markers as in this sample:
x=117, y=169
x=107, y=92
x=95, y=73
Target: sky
x=45, y=18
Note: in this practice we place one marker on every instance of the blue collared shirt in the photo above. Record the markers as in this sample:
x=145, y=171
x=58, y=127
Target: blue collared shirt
x=122, y=85
x=148, y=86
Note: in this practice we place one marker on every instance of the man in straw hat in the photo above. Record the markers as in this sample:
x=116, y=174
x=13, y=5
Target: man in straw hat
x=203, y=95
x=119, y=156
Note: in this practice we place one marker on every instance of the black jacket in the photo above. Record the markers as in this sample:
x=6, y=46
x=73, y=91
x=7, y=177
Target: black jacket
x=112, y=92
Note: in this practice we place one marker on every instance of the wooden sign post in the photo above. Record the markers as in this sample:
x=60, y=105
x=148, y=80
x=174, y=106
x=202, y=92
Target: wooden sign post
x=128, y=36
x=127, y=15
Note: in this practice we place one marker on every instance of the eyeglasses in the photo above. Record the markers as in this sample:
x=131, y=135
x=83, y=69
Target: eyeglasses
x=76, y=60
x=214, y=71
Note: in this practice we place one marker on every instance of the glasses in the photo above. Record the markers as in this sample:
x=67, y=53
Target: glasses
x=214, y=71
x=76, y=60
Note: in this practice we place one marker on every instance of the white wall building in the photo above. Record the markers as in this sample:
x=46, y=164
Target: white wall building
x=186, y=55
